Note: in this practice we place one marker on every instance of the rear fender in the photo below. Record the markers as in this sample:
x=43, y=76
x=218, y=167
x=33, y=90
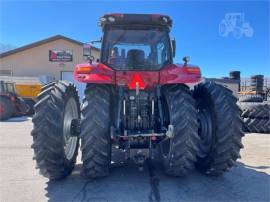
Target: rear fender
x=94, y=73
x=180, y=74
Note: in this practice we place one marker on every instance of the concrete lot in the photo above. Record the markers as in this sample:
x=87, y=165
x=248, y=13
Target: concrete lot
x=19, y=181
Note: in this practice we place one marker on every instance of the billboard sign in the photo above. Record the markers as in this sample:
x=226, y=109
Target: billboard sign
x=60, y=56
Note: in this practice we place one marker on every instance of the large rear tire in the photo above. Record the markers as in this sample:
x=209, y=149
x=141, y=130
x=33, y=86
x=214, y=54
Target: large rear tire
x=95, y=135
x=179, y=152
x=257, y=125
x=220, y=128
x=6, y=108
x=55, y=149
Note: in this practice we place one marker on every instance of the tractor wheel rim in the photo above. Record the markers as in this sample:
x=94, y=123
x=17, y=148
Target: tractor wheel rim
x=205, y=131
x=70, y=142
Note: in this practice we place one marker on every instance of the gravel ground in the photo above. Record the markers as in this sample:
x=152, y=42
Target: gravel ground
x=19, y=181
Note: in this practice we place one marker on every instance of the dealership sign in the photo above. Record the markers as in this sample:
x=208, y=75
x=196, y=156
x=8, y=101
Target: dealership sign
x=60, y=55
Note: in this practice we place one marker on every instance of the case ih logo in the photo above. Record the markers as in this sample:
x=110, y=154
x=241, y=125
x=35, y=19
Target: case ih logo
x=60, y=55
x=236, y=25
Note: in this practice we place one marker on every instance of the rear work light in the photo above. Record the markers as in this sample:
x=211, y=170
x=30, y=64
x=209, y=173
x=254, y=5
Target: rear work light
x=103, y=19
x=165, y=19
x=84, y=70
x=111, y=19
x=162, y=18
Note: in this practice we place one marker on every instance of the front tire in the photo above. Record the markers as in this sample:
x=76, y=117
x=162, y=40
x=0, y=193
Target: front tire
x=6, y=108
x=95, y=135
x=179, y=152
x=220, y=128
x=55, y=150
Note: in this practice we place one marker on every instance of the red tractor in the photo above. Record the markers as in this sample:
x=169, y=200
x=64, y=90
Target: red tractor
x=138, y=101
x=10, y=103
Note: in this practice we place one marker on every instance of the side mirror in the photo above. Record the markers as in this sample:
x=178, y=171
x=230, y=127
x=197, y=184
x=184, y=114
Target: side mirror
x=186, y=59
x=97, y=41
x=173, y=42
x=87, y=50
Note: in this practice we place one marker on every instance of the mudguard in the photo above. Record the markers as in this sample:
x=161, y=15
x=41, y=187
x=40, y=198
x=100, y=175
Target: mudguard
x=180, y=74
x=170, y=74
x=94, y=73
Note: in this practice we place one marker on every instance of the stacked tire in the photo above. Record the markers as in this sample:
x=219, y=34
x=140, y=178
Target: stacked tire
x=257, y=83
x=256, y=115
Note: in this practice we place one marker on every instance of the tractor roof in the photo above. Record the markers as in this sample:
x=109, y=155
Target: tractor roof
x=138, y=19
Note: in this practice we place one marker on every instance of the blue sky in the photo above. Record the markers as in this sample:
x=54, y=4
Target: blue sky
x=195, y=27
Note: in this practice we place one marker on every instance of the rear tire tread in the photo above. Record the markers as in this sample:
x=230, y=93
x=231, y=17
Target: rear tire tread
x=183, y=115
x=95, y=134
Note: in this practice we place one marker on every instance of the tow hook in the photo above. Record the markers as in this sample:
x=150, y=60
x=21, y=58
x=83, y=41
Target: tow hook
x=140, y=159
x=75, y=127
x=169, y=132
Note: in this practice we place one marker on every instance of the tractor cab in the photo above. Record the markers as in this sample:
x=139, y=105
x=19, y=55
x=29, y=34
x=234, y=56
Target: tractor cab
x=7, y=87
x=136, y=42
x=136, y=48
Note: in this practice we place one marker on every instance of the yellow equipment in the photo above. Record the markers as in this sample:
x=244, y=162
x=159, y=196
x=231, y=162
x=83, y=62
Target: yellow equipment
x=26, y=87
x=28, y=90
